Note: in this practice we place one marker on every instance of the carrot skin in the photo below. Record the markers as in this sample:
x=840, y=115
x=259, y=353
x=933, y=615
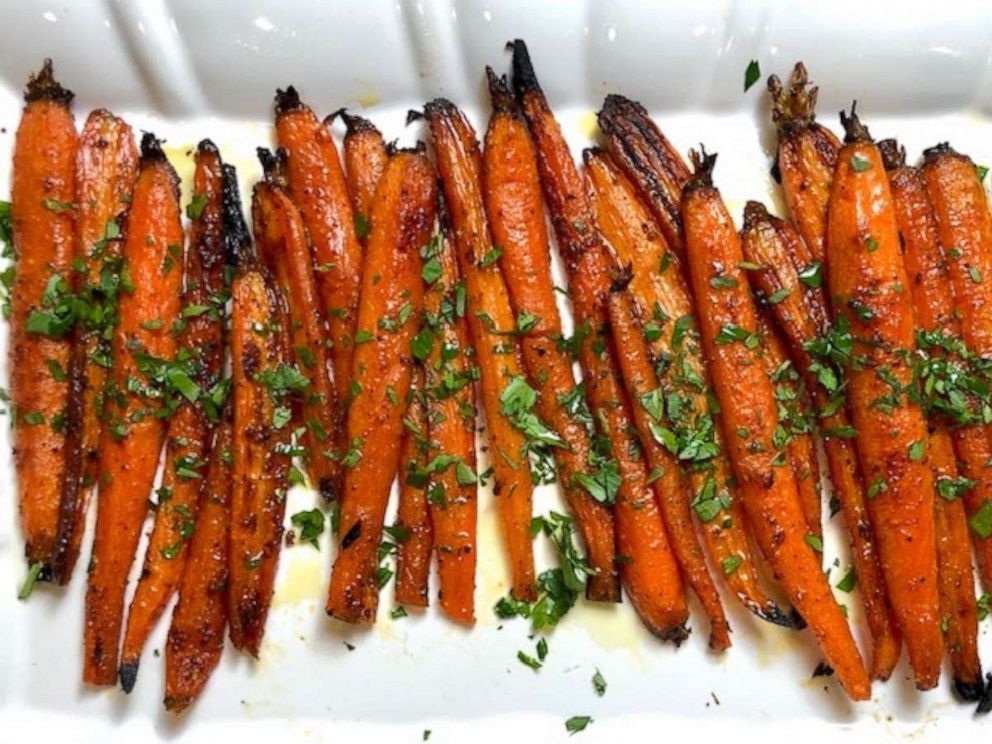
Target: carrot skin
x=402, y=218
x=365, y=158
x=42, y=212
x=768, y=486
x=868, y=283
x=196, y=634
x=190, y=429
x=489, y=316
x=106, y=165
x=132, y=437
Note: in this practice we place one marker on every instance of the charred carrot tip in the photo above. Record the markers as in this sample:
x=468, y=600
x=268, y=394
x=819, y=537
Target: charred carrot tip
x=287, y=100
x=151, y=148
x=499, y=92
x=985, y=704
x=128, y=675
x=524, y=78
x=941, y=148
x=893, y=155
x=238, y=239
x=353, y=123
x=622, y=278
x=675, y=635
x=207, y=146
x=273, y=165
x=854, y=130
x=413, y=115
x=42, y=86
x=970, y=691
x=703, y=164
x=754, y=211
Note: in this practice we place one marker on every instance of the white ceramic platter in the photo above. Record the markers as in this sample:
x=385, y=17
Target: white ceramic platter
x=189, y=69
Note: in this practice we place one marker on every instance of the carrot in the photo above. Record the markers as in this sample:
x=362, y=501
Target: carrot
x=143, y=389
x=869, y=291
x=450, y=428
x=491, y=324
x=783, y=269
x=964, y=234
x=934, y=306
x=806, y=157
x=263, y=381
x=42, y=220
x=413, y=531
x=649, y=160
x=106, y=164
x=201, y=360
x=196, y=635
x=659, y=288
x=392, y=294
x=671, y=491
x=728, y=325
x=794, y=410
x=317, y=186
x=283, y=246
x=365, y=158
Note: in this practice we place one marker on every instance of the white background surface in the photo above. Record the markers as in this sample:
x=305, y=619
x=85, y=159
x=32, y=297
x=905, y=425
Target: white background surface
x=191, y=69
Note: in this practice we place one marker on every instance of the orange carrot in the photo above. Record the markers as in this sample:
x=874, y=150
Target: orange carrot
x=787, y=273
x=285, y=250
x=196, y=635
x=806, y=157
x=933, y=306
x=450, y=429
x=491, y=322
x=728, y=324
x=869, y=289
x=42, y=219
x=392, y=295
x=106, y=165
x=141, y=391
x=659, y=288
x=365, y=158
x=201, y=359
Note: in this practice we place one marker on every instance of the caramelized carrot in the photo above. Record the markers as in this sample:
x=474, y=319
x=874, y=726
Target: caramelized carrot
x=728, y=324
x=659, y=288
x=196, y=635
x=450, y=401
x=317, y=186
x=106, y=165
x=491, y=322
x=42, y=213
x=365, y=158
x=964, y=233
x=787, y=272
x=794, y=411
x=143, y=348
x=201, y=359
x=392, y=295
x=414, y=534
x=649, y=160
x=806, y=157
x=262, y=380
x=670, y=489
x=933, y=304
x=869, y=284
x=285, y=250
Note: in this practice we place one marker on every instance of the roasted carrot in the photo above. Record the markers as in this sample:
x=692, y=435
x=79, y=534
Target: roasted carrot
x=782, y=268
x=868, y=284
x=283, y=246
x=196, y=635
x=263, y=380
x=142, y=390
x=201, y=361
x=392, y=295
x=964, y=233
x=659, y=288
x=728, y=324
x=933, y=304
x=806, y=157
x=106, y=164
x=42, y=214
x=317, y=186
x=671, y=490
x=413, y=529
x=491, y=324
x=365, y=158
x=795, y=414
x=649, y=160
x=450, y=431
